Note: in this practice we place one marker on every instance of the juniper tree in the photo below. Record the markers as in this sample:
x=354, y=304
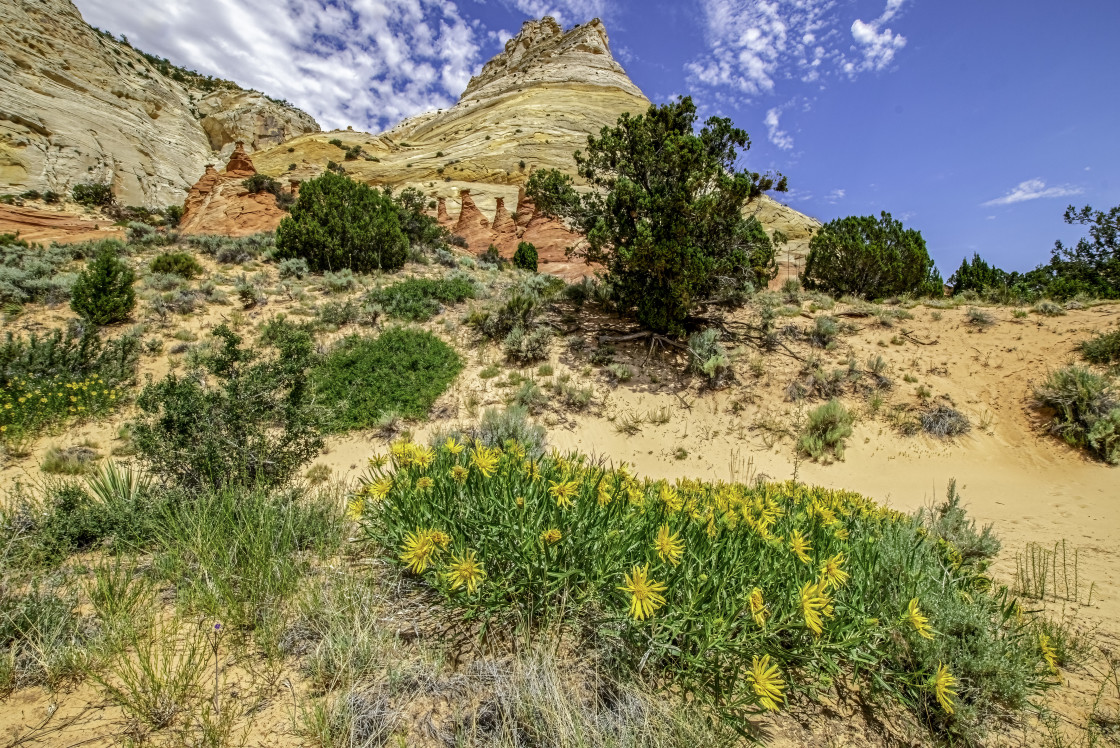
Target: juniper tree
x=665, y=213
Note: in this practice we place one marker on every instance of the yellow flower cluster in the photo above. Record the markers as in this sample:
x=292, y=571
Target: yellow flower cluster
x=27, y=405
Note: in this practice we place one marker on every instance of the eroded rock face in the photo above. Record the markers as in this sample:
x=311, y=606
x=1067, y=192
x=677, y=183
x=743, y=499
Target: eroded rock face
x=46, y=226
x=77, y=106
x=219, y=202
x=529, y=108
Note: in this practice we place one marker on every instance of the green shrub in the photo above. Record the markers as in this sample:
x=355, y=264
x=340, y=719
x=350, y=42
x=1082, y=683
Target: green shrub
x=336, y=142
x=402, y=369
x=703, y=586
x=29, y=273
x=870, y=258
x=181, y=264
x=233, y=250
x=526, y=347
x=708, y=356
x=826, y=431
x=103, y=293
x=1087, y=411
x=420, y=299
x=665, y=212
x=949, y=523
x=92, y=195
x=237, y=417
x=172, y=215
x=338, y=223
x=293, y=268
x=343, y=280
x=525, y=257
x=47, y=380
x=1103, y=349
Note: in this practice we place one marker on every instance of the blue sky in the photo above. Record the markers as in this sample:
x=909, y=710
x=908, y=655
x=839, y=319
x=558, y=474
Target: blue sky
x=974, y=122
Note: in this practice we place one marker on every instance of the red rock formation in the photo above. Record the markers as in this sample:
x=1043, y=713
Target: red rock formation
x=503, y=221
x=239, y=162
x=472, y=225
x=219, y=203
x=35, y=225
x=548, y=235
x=525, y=208
x=441, y=214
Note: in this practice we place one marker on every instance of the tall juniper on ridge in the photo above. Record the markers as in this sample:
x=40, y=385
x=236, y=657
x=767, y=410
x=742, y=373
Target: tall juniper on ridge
x=665, y=215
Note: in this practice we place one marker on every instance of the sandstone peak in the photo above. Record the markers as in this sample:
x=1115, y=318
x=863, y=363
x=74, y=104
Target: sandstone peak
x=544, y=53
x=78, y=105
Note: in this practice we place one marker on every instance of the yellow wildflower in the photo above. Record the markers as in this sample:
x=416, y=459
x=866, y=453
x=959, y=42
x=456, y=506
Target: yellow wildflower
x=943, y=682
x=833, y=575
x=799, y=545
x=401, y=450
x=440, y=538
x=767, y=682
x=452, y=446
x=670, y=498
x=422, y=457
x=563, y=492
x=460, y=473
x=520, y=501
x=669, y=546
x=916, y=619
x=377, y=461
x=551, y=536
x=645, y=593
x=379, y=489
x=418, y=550
x=486, y=460
x=604, y=497
x=354, y=508
x=758, y=607
x=815, y=603
x=515, y=449
x=465, y=570
x=423, y=484
x=1048, y=653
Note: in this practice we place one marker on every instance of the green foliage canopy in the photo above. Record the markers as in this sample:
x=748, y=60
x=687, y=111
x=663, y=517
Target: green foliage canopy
x=869, y=257
x=103, y=293
x=525, y=257
x=338, y=223
x=238, y=418
x=665, y=213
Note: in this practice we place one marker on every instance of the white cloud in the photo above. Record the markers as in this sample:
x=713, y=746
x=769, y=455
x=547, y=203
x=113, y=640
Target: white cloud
x=878, y=46
x=835, y=196
x=367, y=63
x=566, y=12
x=1033, y=189
x=755, y=43
x=777, y=136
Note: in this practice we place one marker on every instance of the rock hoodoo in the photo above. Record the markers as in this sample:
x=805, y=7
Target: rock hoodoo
x=239, y=162
x=219, y=203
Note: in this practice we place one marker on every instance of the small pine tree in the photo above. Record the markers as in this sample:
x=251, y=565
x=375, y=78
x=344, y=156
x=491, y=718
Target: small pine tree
x=103, y=293
x=525, y=257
